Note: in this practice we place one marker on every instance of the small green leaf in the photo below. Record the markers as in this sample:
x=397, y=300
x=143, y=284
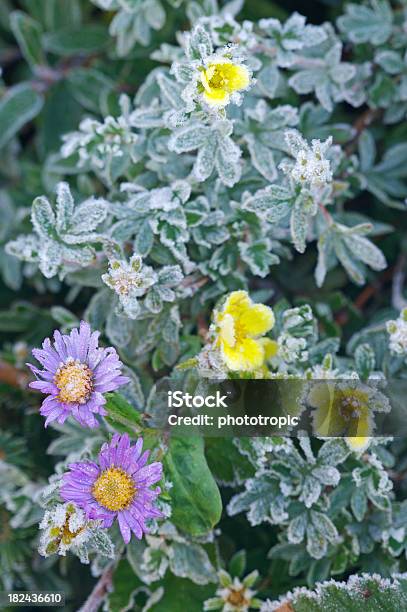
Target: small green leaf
x=237, y=565
x=20, y=104
x=28, y=34
x=43, y=218
x=122, y=415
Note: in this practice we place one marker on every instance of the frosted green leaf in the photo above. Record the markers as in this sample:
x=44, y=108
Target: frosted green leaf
x=390, y=61
x=258, y=256
x=188, y=560
x=311, y=490
x=199, y=43
x=64, y=207
x=262, y=158
x=299, y=226
x=271, y=203
x=316, y=543
x=363, y=23
x=189, y=138
x=89, y=215
x=324, y=525
x=205, y=161
x=365, y=360
x=43, y=218
x=358, y=504
x=364, y=250
x=352, y=267
x=296, y=529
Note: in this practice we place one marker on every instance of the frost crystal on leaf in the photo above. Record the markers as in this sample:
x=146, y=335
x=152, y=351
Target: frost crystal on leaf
x=63, y=528
x=311, y=166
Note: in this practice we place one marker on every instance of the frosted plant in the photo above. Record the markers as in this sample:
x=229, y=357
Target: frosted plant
x=168, y=550
x=237, y=330
x=211, y=79
x=347, y=409
x=130, y=280
x=106, y=147
x=292, y=36
x=292, y=349
x=234, y=595
x=397, y=330
x=134, y=21
x=210, y=363
x=327, y=371
x=64, y=236
x=311, y=167
x=64, y=527
x=230, y=184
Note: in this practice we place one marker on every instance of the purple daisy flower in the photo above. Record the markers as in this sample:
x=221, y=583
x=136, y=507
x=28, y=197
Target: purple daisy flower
x=116, y=487
x=76, y=374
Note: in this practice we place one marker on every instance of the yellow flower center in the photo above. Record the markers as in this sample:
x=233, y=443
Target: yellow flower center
x=64, y=534
x=221, y=79
x=237, y=598
x=74, y=381
x=114, y=489
x=350, y=405
x=229, y=77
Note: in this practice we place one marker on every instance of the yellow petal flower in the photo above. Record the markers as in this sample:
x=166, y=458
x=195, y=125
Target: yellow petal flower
x=216, y=97
x=239, y=325
x=257, y=320
x=342, y=411
x=248, y=354
x=222, y=78
x=270, y=348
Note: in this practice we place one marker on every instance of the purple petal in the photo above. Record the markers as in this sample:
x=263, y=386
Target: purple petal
x=124, y=527
x=44, y=386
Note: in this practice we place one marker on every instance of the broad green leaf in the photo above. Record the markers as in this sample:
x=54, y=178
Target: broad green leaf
x=196, y=501
x=20, y=104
